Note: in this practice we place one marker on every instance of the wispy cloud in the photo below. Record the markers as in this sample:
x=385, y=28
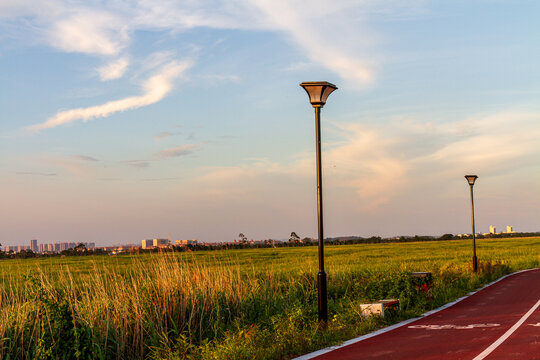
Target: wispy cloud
x=90, y=31
x=229, y=78
x=162, y=135
x=490, y=144
x=84, y=158
x=73, y=165
x=137, y=163
x=323, y=33
x=176, y=151
x=366, y=162
x=323, y=44
x=35, y=173
x=113, y=70
x=161, y=179
x=369, y=167
x=155, y=89
x=362, y=165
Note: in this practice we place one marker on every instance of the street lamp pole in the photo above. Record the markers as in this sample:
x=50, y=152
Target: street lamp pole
x=318, y=92
x=471, y=179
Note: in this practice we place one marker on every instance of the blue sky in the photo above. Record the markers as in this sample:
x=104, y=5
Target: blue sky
x=124, y=120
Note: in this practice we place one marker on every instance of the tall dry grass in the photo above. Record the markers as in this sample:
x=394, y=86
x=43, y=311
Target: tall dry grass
x=124, y=312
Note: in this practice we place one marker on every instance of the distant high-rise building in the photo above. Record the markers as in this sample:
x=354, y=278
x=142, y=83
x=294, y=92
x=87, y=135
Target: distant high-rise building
x=34, y=245
x=509, y=229
x=161, y=242
x=147, y=243
x=492, y=229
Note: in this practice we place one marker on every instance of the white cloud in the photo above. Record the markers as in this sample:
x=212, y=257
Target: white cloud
x=162, y=135
x=84, y=158
x=176, y=151
x=35, y=173
x=113, y=70
x=487, y=143
x=89, y=31
x=154, y=89
x=73, y=165
x=361, y=165
x=368, y=168
x=319, y=31
x=137, y=163
x=366, y=162
x=334, y=35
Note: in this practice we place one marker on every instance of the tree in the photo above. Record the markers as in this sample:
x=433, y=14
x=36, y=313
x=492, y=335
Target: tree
x=80, y=248
x=294, y=238
x=25, y=254
x=242, y=238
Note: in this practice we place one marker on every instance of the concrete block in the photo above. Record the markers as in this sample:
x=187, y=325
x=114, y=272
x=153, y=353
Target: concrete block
x=380, y=307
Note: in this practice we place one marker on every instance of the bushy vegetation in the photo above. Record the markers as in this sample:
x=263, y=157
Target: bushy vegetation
x=238, y=304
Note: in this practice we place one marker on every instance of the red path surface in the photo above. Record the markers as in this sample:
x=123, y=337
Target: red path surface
x=488, y=319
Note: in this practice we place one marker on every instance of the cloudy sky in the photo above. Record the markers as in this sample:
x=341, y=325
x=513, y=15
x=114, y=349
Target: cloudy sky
x=124, y=120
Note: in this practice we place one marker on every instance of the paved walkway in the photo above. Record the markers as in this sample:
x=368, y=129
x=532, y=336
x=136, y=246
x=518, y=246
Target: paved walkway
x=501, y=321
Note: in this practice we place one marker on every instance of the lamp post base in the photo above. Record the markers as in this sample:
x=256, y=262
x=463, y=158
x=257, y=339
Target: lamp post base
x=475, y=263
x=322, y=298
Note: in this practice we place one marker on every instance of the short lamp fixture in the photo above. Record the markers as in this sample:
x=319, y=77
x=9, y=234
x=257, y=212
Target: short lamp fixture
x=318, y=91
x=471, y=179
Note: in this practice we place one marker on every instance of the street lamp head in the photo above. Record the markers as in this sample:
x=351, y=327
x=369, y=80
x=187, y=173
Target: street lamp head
x=318, y=91
x=471, y=179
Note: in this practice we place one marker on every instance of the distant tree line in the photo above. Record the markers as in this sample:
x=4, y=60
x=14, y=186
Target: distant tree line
x=243, y=243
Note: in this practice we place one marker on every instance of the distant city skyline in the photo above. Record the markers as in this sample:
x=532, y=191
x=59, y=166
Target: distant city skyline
x=123, y=121
x=37, y=247
x=158, y=241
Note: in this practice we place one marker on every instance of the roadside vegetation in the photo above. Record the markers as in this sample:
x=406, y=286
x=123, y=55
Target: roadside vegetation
x=235, y=304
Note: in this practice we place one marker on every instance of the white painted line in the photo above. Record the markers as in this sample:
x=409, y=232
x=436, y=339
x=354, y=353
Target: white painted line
x=403, y=323
x=507, y=334
x=452, y=326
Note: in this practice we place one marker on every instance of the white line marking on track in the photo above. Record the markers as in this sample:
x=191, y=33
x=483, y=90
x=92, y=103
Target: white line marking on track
x=507, y=334
x=452, y=326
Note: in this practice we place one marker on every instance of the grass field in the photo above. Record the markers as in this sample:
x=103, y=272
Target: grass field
x=241, y=304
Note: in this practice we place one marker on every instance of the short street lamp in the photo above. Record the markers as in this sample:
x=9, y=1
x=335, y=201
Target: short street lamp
x=318, y=92
x=471, y=179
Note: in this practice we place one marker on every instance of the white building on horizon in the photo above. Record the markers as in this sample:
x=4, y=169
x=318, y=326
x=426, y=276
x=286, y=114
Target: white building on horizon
x=153, y=243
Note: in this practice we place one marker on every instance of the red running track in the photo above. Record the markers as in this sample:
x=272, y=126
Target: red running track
x=499, y=322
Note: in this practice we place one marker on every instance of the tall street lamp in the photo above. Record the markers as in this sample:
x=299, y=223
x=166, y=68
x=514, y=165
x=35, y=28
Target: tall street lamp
x=318, y=92
x=471, y=179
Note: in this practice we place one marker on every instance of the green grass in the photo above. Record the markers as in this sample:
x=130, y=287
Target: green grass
x=236, y=304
